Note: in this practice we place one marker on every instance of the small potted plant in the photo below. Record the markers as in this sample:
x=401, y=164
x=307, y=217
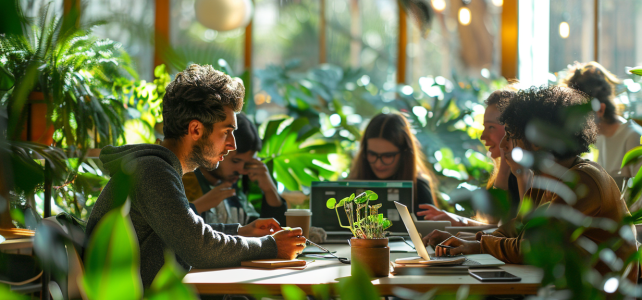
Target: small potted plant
x=369, y=245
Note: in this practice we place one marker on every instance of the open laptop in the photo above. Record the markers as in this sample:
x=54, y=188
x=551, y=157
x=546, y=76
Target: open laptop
x=388, y=192
x=471, y=261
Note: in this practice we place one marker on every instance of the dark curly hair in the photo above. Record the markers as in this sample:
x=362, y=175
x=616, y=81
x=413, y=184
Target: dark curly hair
x=597, y=82
x=499, y=95
x=247, y=136
x=559, y=119
x=199, y=93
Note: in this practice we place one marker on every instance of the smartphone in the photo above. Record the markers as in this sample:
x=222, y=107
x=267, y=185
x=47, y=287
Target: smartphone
x=493, y=275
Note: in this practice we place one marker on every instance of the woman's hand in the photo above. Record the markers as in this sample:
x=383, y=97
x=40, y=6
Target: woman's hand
x=432, y=213
x=460, y=247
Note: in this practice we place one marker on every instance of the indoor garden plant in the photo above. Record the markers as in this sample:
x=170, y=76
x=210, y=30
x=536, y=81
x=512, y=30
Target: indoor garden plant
x=369, y=245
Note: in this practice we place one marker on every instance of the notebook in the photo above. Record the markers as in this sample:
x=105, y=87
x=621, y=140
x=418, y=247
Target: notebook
x=274, y=263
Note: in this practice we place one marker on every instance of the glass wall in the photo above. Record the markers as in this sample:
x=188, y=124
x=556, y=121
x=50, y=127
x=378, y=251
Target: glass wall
x=571, y=33
x=130, y=23
x=363, y=34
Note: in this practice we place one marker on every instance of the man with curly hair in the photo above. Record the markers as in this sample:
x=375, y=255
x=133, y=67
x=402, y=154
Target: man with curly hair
x=555, y=124
x=199, y=120
x=616, y=135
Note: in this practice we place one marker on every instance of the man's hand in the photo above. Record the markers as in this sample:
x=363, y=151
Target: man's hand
x=432, y=213
x=289, y=243
x=435, y=237
x=460, y=247
x=260, y=227
x=214, y=197
x=258, y=172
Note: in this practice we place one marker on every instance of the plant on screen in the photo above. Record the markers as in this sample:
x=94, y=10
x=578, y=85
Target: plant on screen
x=363, y=220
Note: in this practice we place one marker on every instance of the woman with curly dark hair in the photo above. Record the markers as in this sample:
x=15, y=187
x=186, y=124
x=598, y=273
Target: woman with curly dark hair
x=554, y=124
x=616, y=135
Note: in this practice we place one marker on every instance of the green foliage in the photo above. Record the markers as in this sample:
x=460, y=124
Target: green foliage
x=73, y=69
x=358, y=286
x=636, y=71
x=112, y=259
x=296, y=154
x=7, y=294
x=292, y=292
x=144, y=105
x=168, y=283
x=321, y=291
x=364, y=220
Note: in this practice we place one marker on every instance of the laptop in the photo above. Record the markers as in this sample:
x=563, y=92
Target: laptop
x=470, y=261
x=388, y=192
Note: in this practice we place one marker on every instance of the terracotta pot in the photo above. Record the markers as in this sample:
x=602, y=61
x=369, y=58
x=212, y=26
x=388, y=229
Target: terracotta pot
x=374, y=254
x=37, y=128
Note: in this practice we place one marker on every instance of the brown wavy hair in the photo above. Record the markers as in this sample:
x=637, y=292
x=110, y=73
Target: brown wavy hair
x=597, y=82
x=394, y=127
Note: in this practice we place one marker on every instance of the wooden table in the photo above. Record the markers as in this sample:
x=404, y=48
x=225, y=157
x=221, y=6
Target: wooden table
x=241, y=280
x=16, y=241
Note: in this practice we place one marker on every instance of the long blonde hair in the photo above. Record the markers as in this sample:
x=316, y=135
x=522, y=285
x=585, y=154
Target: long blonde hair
x=394, y=127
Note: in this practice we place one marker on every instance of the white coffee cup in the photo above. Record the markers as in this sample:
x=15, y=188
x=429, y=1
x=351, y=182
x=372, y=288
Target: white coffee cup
x=299, y=218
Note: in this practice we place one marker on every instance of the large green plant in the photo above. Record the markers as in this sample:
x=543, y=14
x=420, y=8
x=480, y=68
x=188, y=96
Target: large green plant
x=296, y=153
x=74, y=70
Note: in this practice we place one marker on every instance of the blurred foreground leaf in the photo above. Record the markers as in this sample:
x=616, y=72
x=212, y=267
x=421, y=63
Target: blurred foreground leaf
x=168, y=283
x=358, y=286
x=112, y=259
x=292, y=292
x=7, y=294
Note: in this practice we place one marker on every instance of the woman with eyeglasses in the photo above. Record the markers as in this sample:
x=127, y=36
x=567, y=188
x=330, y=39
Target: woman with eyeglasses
x=389, y=151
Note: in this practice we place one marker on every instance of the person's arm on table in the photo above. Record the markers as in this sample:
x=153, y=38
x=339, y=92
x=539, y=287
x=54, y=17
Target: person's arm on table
x=214, y=197
x=432, y=213
x=167, y=211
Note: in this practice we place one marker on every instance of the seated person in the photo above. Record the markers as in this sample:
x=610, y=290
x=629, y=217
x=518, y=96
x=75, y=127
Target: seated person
x=601, y=198
x=389, y=151
x=616, y=135
x=501, y=177
x=199, y=121
x=217, y=194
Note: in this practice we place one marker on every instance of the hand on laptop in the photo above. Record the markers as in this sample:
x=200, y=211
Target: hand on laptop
x=432, y=213
x=460, y=247
x=260, y=227
x=289, y=243
x=435, y=237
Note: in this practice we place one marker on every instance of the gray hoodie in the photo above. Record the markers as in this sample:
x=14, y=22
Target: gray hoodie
x=162, y=217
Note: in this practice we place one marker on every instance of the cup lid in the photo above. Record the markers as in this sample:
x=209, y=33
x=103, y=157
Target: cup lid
x=298, y=212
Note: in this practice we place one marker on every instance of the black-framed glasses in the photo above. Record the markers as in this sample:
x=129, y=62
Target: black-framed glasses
x=387, y=158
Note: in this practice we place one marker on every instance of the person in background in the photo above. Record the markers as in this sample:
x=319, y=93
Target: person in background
x=217, y=194
x=616, y=135
x=389, y=151
x=501, y=178
x=199, y=121
x=596, y=195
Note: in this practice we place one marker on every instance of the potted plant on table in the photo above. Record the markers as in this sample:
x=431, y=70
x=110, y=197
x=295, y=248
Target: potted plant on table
x=369, y=245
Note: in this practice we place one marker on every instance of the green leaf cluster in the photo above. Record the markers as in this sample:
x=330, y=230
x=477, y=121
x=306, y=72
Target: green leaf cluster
x=74, y=69
x=297, y=154
x=363, y=219
x=143, y=101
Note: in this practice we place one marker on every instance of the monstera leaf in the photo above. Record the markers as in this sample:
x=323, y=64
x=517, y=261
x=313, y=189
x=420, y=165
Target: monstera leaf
x=295, y=153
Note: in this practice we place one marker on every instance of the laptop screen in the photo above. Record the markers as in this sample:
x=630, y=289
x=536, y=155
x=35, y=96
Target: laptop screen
x=388, y=192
